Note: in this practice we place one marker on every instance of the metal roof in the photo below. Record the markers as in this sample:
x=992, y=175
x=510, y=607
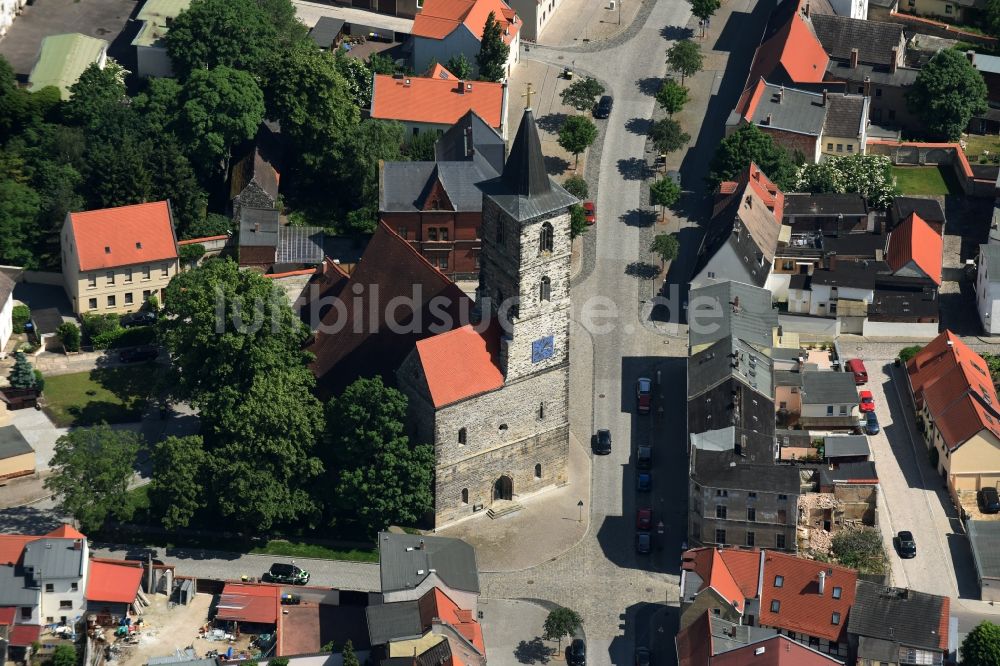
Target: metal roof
x=299, y=245
x=791, y=110
x=53, y=558
x=259, y=227
x=326, y=30
x=738, y=309
x=13, y=588
x=827, y=387
x=406, y=560
x=986, y=63
x=394, y=621
x=840, y=446
x=63, y=59
x=984, y=536
x=13, y=443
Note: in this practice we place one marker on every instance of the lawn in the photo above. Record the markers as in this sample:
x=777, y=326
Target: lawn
x=925, y=180
x=109, y=395
x=980, y=148
x=295, y=549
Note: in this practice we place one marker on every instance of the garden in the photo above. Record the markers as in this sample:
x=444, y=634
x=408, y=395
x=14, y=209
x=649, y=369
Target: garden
x=102, y=395
x=932, y=180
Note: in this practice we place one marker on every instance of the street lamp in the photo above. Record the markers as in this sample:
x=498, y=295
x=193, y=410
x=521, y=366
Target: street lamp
x=579, y=505
x=619, y=12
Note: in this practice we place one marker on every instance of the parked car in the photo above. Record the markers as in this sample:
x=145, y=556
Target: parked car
x=867, y=402
x=643, y=394
x=589, y=212
x=644, y=482
x=643, y=542
x=141, y=556
x=644, y=457
x=905, y=544
x=603, y=109
x=871, y=423
x=644, y=519
x=576, y=653
x=286, y=573
x=138, y=319
x=642, y=656
x=857, y=367
x=602, y=442
x=989, y=500
x=137, y=354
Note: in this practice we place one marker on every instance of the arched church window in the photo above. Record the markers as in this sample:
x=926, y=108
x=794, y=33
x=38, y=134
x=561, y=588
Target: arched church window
x=545, y=238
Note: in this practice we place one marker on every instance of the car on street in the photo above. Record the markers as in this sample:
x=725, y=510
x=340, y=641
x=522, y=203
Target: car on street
x=603, y=109
x=871, y=423
x=643, y=542
x=644, y=518
x=137, y=354
x=867, y=403
x=642, y=656
x=644, y=457
x=643, y=394
x=138, y=319
x=857, y=367
x=576, y=653
x=589, y=212
x=989, y=500
x=602, y=442
x=644, y=482
x=280, y=572
x=905, y=544
x=142, y=556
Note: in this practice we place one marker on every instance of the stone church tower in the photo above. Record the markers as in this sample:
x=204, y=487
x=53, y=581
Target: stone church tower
x=494, y=398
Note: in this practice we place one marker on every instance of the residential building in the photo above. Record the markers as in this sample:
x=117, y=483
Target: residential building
x=411, y=565
x=897, y=626
x=435, y=103
x=984, y=540
x=114, y=259
x=828, y=214
x=438, y=205
x=17, y=458
x=9, y=9
x=254, y=179
x=443, y=29
x=915, y=250
x=820, y=399
x=957, y=413
x=927, y=209
x=269, y=246
x=6, y=312
x=150, y=42
x=534, y=15
x=988, y=287
x=807, y=601
x=62, y=60
x=989, y=67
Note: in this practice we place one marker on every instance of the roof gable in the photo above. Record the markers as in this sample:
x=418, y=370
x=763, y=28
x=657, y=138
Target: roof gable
x=789, y=51
x=124, y=236
x=907, y=617
x=801, y=607
x=406, y=560
x=874, y=40
x=461, y=363
x=437, y=101
x=915, y=241
x=439, y=18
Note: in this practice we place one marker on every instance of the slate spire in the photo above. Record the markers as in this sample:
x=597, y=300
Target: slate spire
x=524, y=172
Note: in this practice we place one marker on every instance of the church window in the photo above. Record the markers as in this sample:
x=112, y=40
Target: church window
x=432, y=233
x=462, y=435
x=545, y=238
x=499, y=231
x=465, y=495
x=541, y=411
x=538, y=471
x=545, y=289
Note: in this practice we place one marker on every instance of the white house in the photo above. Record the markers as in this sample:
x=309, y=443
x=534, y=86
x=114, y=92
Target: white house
x=9, y=9
x=150, y=46
x=446, y=28
x=6, y=310
x=988, y=287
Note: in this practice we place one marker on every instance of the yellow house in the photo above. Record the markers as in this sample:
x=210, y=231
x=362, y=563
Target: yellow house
x=954, y=11
x=958, y=411
x=845, y=129
x=114, y=259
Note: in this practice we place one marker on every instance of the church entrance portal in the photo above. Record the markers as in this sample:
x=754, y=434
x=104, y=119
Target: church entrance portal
x=503, y=488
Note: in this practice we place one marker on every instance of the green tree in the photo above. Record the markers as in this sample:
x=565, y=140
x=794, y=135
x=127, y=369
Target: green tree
x=581, y=93
x=95, y=90
x=350, y=659
x=64, y=655
x=358, y=77
x=22, y=375
x=750, y=144
x=19, y=209
x=69, y=333
x=373, y=141
x=981, y=646
x=947, y=93
x=177, y=491
x=819, y=178
x=667, y=136
x=381, y=477
x=213, y=224
x=704, y=9
x=493, y=52
x=991, y=17
x=870, y=176
x=381, y=64
x=685, y=58
x=577, y=220
x=460, y=66
x=172, y=177
x=191, y=254
x=860, y=549
x=672, y=97
x=92, y=468
x=906, y=353
x=665, y=246
x=159, y=104
x=561, y=622
x=576, y=186
x=664, y=193
x=219, y=108
x=20, y=315
x=420, y=148
x=576, y=135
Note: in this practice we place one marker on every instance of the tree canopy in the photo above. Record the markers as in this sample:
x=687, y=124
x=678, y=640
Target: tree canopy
x=947, y=93
x=577, y=186
x=576, y=135
x=869, y=175
x=981, y=646
x=177, y=489
x=750, y=144
x=581, y=93
x=459, y=65
x=97, y=89
x=667, y=135
x=671, y=97
x=704, y=9
x=685, y=58
x=665, y=246
x=493, y=52
x=561, y=622
x=664, y=193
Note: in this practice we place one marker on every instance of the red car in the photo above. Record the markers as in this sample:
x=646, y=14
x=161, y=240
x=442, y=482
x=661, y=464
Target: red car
x=643, y=389
x=589, y=212
x=867, y=402
x=644, y=519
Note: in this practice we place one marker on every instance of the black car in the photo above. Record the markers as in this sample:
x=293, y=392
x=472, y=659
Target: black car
x=905, y=544
x=138, y=319
x=137, y=354
x=286, y=573
x=642, y=656
x=643, y=542
x=602, y=442
x=989, y=500
x=576, y=653
x=644, y=457
x=603, y=109
x=871, y=423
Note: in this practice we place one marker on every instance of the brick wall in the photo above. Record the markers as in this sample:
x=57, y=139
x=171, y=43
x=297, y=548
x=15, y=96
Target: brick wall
x=791, y=141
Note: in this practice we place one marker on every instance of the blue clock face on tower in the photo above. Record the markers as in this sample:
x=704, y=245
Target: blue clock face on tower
x=542, y=349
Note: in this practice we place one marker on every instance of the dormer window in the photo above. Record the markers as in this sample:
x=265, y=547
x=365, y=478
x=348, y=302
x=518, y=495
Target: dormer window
x=138, y=245
x=779, y=581
x=107, y=250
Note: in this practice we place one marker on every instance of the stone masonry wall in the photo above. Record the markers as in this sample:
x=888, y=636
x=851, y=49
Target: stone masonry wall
x=252, y=196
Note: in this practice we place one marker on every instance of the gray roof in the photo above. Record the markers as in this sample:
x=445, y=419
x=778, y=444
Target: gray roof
x=989, y=256
x=986, y=63
x=824, y=204
x=326, y=30
x=53, y=558
x=13, y=587
x=727, y=358
x=405, y=560
x=259, y=227
x=47, y=320
x=388, y=622
x=929, y=209
x=13, y=443
x=906, y=617
x=715, y=469
x=848, y=472
x=6, y=288
x=840, y=70
x=826, y=387
x=790, y=109
x=787, y=378
x=739, y=309
x=984, y=536
x=873, y=39
x=471, y=137
x=299, y=245
x=847, y=115
x=727, y=636
x=841, y=446
x=403, y=186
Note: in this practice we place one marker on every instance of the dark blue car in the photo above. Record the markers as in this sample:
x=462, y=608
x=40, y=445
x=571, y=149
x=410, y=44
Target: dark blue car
x=871, y=423
x=644, y=482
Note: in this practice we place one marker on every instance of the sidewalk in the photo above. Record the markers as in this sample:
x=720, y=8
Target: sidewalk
x=581, y=21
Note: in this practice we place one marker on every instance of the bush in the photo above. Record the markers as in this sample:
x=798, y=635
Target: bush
x=860, y=549
x=20, y=315
x=39, y=380
x=64, y=655
x=102, y=330
x=906, y=353
x=191, y=254
x=69, y=333
x=577, y=186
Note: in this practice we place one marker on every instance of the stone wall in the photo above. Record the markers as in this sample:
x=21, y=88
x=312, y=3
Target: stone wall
x=252, y=196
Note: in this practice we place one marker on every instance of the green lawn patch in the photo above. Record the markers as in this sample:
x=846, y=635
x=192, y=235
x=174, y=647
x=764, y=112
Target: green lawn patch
x=926, y=180
x=108, y=395
x=982, y=148
x=294, y=549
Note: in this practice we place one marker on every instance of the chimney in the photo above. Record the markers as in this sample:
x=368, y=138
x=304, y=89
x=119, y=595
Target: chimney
x=406, y=82
x=854, y=58
x=78, y=545
x=951, y=344
x=767, y=121
x=256, y=227
x=781, y=93
x=824, y=96
x=971, y=55
x=461, y=87
x=421, y=544
x=868, y=86
x=895, y=57
x=822, y=583
x=807, y=10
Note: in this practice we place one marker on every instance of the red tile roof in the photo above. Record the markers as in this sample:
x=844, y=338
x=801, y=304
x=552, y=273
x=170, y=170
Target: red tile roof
x=802, y=608
x=438, y=71
x=439, y=18
x=23, y=635
x=116, y=583
x=7, y=615
x=250, y=602
x=461, y=363
x=915, y=240
x=439, y=101
x=744, y=565
x=694, y=642
x=795, y=49
x=65, y=531
x=776, y=651
x=12, y=547
x=712, y=569
x=435, y=604
x=124, y=236
x=954, y=384
x=757, y=180
x=943, y=623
